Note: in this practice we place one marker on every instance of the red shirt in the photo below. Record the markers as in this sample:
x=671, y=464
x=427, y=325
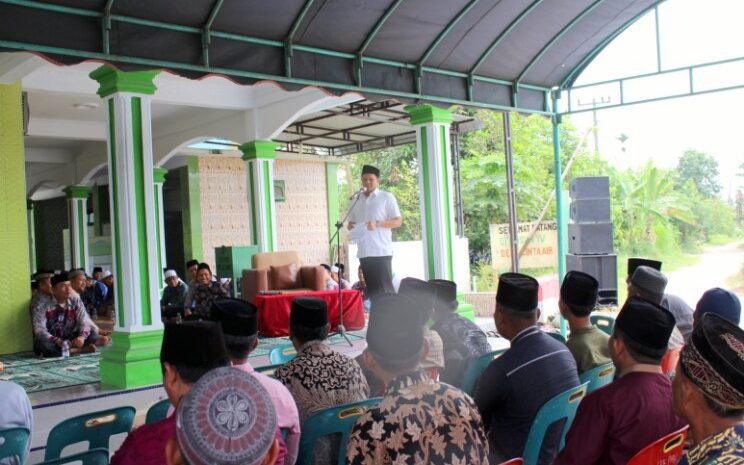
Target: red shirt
x=615, y=422
x=146, y=444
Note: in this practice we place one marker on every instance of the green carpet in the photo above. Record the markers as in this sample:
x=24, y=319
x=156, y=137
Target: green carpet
x=36, y=374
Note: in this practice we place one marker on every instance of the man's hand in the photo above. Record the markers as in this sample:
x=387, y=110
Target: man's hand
x=351, y=225
x=77, y=342
x=59, y=342
x=372, y=225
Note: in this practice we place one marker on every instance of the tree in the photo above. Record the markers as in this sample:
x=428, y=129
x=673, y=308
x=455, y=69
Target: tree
x=702, y=169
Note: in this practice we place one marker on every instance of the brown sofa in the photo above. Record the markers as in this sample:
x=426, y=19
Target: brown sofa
x=280, y=271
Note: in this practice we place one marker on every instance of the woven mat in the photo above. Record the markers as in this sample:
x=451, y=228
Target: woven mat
x=36, y=374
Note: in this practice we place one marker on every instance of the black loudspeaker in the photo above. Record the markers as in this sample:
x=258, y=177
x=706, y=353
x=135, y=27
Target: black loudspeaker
x=602, y=267
x=590, y=238
x=590, y=187
x=590, y=211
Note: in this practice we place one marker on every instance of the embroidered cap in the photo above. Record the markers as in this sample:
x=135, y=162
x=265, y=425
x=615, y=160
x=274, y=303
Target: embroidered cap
x=518, y=292
x=649, y=280
x=194, y=343
x=237, y=317
x=227, y=418
x=369, y=169
x=394, y=331
x=634, y=263
x=646, y=323
x=446, y=300
x=721, y=302
x=713, y=359
x=310, y=312
x=422, y=293
x=579, y=289
x=42, y=274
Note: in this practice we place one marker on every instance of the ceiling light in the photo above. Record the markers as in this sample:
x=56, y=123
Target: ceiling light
x=85, y=106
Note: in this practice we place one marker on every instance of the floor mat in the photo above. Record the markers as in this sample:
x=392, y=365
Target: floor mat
x=36, y=374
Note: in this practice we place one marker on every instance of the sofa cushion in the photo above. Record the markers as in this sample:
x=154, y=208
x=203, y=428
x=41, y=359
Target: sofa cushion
x=284, y=277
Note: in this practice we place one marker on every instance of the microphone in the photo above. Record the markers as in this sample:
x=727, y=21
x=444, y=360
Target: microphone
x=360, y=191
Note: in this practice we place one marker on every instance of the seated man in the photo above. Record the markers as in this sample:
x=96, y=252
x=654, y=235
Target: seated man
x=95, y=295
x=15, y=412
x=192, y=266
x=616, y=422
x=418, y=420
x=174, y=295
x=207, y=434
x=587, y=343
x=535, y=369
x=239, y=321
x=97, y=273
x=63, y=319
x=721, y=302
x=462, y=340
x=319, y=377
x=44, y=294
x=709, y=392
x=649, y=284
x=202, y=293
x=189, y=351
x=425, y=293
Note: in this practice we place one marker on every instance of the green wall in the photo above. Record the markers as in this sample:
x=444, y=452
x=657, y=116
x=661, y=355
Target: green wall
x=15, y=324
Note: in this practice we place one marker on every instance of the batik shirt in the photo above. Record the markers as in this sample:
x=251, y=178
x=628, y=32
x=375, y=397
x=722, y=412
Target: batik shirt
x=66, y=321
x=462, y=340
x=319, y=378
x=200, y=298
x=724, y=448
x=419, y=421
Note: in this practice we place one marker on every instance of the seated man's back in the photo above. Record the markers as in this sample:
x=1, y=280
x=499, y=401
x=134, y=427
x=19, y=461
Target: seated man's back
x=589, y=348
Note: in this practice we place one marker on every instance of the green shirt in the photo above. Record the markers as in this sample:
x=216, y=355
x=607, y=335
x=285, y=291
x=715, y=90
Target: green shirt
x=589, y=347
x=173, y=297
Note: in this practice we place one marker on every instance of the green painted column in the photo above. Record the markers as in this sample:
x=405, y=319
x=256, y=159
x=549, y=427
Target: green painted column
x=31, y=234
x=259, y=156
x=332, y=198
x=15, y=324
x=432, y=126
x=77, y=214
x=133, y=358
x=158, y=176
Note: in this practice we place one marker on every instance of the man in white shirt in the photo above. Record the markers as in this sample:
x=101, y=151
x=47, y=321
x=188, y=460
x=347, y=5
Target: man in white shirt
x=15, y=412
x=379, y=211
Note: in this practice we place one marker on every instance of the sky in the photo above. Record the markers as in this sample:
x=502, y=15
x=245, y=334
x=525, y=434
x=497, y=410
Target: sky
x=692, y=32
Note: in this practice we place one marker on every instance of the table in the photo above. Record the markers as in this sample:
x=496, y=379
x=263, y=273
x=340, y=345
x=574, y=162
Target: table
x=273, y=310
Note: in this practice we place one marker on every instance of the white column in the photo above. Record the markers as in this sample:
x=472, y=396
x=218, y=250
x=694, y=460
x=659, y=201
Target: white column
x=77, y=214
x=159, y=179
x=259, y=156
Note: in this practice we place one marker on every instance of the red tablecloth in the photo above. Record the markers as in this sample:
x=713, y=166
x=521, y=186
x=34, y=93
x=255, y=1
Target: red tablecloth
x=273, y=310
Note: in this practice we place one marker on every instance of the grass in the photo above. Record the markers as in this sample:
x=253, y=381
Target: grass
x=736, y=282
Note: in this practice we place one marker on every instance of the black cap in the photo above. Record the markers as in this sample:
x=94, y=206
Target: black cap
x=394, y=333
x=310, y=312
x=59, y=278
x=579, y=289
x=422, y=293
x=193, y=343
x=97, y=269
x=518, y=292
x=204, y=266
x=369, y=169
x=634, y=263
x=191, y=263
x=237, y=317
x=446, y=300
x=646, y=323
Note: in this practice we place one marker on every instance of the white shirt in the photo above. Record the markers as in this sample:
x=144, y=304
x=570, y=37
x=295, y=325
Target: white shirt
x=15, y=412
x=377, y=206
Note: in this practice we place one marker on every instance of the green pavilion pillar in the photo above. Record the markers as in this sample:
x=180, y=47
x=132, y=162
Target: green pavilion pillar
x=77, y=214
x=158, y=176
x=15, y=324
x=332, y=199
x=259, y=156
x=30, y=221
x=432, y=127
x=133, y=358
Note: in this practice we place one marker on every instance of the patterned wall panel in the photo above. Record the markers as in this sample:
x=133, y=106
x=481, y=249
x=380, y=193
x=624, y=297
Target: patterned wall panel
x=302, y=219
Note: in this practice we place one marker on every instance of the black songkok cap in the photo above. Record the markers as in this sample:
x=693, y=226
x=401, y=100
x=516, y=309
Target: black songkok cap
x=634, y=263
x=310, y=312
x=237, y=317
x=369, y=169
x=518, y=292
x=446, y=295
x=193, y=343
x=59, y=278
x=394, y=333
x=423, y=293
x=97, y=269
x=191, y=263
x=713, y=359
x=579, y=289
x=646, y=323
x=203, y=266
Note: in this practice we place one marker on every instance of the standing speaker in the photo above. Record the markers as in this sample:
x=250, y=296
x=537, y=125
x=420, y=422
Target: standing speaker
x=602, y=267
x=590, y=238
x=590, y=211
x=590, y=187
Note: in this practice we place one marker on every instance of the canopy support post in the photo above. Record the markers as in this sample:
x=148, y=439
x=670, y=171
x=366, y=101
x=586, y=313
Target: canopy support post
x=559, y=210
x=511, y=195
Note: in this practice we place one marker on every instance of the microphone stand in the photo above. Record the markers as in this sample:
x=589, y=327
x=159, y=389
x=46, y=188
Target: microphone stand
x=341, y=329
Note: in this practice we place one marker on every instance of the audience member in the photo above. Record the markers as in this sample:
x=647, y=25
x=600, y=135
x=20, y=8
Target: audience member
x=587, y=343
x=95, y=295
x=709, y=392
x=418, y=420
x=63, y=319
x=239, y=321
x=721, y=302
x=199, y=300
x=679, y=308
x=424, y=294
x=318, y=377
x=225, y=419
x=97, y=273
x=189, y=351
x=649, y=284
x=534, y=369
x=330, y=283
x=174, y=295
x=192, y=267
x=361, y=286
x=15, y=412
x=337, y=276
x=44, y=294
x=462, y=340
x=616, y=422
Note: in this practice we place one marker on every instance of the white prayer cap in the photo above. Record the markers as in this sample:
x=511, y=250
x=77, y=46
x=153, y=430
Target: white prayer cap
x=105, y=274
x=334, y=269
x=170, y=274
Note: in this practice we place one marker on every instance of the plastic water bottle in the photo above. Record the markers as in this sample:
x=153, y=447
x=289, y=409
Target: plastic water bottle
x=65, y=349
